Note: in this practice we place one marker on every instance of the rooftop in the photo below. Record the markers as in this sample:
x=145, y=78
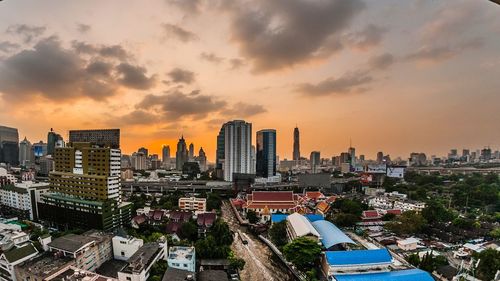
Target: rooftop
x=330, y=234
x=142, y=258
x=212, y=275
x=181, y=253
x=45, y=265
x=71, y=242
x=274, y=196
x=74, y=274
x=358, y=257
x=301, y=225
x=16, y=254
x=400, y=275
x=174, y=274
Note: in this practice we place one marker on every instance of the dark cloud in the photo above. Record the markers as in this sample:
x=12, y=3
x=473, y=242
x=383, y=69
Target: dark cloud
x=179, y=75
x=382, y=61
x=51, y=71
x=176, y=105
x=133, y=76
x=350, y=82
x=211, y=57
x=282, y=33
x=6, y=46
x=179, y=33
x=136, y=117
x=243, y=110
x=236, y=63
x=109, y=51
x=54, y=72
x=27, y=32
x=188, y=6
x=83, y=28
x=367, y=38
x=433, y=53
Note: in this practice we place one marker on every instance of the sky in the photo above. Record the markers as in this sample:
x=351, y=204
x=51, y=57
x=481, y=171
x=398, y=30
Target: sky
x=389, y=75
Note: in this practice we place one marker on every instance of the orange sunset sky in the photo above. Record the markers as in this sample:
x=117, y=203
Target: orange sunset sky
x=393, y=76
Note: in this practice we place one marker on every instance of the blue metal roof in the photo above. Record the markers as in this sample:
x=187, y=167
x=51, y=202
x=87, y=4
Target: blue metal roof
x=330, y=234
x=314, y=217
x=275, y=218
x=358, y=257
x=400, y=275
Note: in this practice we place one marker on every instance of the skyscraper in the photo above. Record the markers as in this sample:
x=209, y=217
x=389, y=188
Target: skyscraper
x=352, y=155
x=9, y=145
x=85, y=189
x=266, y=153
x=53, y=140
x=144, y=151
x=220, y=154
x=191, y=152
x=202, y=160
x=181, y=155
x=296, y=144
x=165, y=153
x=315, y=160
x=103, y=138
x=237, y=148
x=25, y=153
x=380, y=157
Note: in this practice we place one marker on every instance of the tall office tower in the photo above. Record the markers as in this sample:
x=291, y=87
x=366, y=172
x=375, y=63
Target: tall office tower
x=352, y=155
x=344, y=157
x=85, y=189
x=220, y=154
x=266, y=153
x=181, y=155
x=465, y=152
x=485, y=154
x=165, y=153
x=315, y=160
x=39, y=149
x=53, y=140
x=191, y=152
x=9, y=146
x=296, y=144
x=202, y=160
x=103, y=138
x=25, y=153
x=362, y=157
x=144, y=151
x=253, y=160
x=380, y=157
x=138, y=161
x=237, y=148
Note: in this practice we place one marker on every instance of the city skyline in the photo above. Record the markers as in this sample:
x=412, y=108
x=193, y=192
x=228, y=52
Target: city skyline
x=391, y=77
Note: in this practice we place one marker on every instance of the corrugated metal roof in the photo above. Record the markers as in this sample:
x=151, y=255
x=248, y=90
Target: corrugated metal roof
x=301, y=225
x=314, y=217
x=400, y=275
x=358, y=257
x=275, y=218
x=330, y=234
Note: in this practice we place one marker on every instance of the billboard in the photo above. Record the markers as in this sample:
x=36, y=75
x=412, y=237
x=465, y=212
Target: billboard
x=379, y=169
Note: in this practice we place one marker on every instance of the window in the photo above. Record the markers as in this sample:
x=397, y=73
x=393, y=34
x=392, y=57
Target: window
x=185, y=265
x=128, y=278
x=123, y=253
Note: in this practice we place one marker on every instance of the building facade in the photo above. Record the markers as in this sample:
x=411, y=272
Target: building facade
x=296, y=144
x=103, y=138
x=9, y=145
x=237, y=148
x=266, y=153
x=181, y=155
x=193, y=204
x=315, y=161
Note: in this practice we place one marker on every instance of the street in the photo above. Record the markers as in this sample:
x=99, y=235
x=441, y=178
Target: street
x=261, y=264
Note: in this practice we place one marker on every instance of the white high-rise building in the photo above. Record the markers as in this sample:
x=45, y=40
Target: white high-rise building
x=237, y=148
x=25, y=153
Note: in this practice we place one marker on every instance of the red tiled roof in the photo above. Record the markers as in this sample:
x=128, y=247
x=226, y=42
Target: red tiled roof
x=139, y=219
x=272, y=196
x=206, y=219
x=370, y=214
x=323, y=207
x=394, y=211
x=182, y=216
x=157, y=215
x=271, y=206
x=173, y=227
x=331, y=199
x=314, y=195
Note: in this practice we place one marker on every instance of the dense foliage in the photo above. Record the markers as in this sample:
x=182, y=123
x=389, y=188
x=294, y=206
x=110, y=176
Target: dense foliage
x=407, y=224
x=302, y=252
x=429, y=262
x=278, y=235
x=489, y=264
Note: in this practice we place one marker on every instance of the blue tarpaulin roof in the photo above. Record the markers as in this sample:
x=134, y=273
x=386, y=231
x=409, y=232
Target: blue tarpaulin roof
x=330, y=234
x=275, y=218
x=400, y=275
x=314, y=217
x=358, y=257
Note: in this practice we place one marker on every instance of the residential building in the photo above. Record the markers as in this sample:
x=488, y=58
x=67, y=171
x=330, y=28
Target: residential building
x=125, y=247
x=193, y=204
x=408, y=244
x=43, y=267
x=11, y=258
x=315, y=161
x=296, y=144
x=9, y=145
x=205, y=222
x=26, y=156
x=237, y=148
x=89, y=250
x=144, y=151
x=183, y=258
x=6, y=177
x=140, y=263
x=266, y=153
x=165, y=153
x=21, y=198
x=202, y=160
x=138, y=161
x=181, y=155
x=85, y=189
x=102, y=137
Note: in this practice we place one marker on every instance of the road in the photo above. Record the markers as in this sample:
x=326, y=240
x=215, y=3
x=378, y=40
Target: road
x=261, y=264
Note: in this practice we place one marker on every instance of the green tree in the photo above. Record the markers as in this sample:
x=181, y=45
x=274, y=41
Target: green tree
x=214, y=201
x=346, y=220
x=252, y=216
x=221, y=232
x=489, y=263
x=388, y=217
x=192, y=169
x=436, y=212
x=302, y=252
x=277, y=232
x=414, y=260
x=235, y=262
x=189, y=231
x=408, y=223
x=495, y=233
x=208, y=248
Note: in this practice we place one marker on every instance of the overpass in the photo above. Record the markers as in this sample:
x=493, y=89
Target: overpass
x=455, y=170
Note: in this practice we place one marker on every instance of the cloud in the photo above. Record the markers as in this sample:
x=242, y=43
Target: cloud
x=350, y=82
x=83, y=28
x=27, y=32
x=179, y=33
x=6, y=46
x=211, y=57
x=236, y=63
x=133, y=76
x=179, y=75
x=188, y=6
x=382, y=61
x=283, y=33
x=51, y=71
x=176, y=105
x=434, y=54
x=99, y=68
x=243, y=110
x=367, y=38
x=109, y=51
x=136, y=117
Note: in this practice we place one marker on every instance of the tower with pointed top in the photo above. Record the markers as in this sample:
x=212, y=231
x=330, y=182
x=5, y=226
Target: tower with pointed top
x=296, y=144
x=181, y=155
